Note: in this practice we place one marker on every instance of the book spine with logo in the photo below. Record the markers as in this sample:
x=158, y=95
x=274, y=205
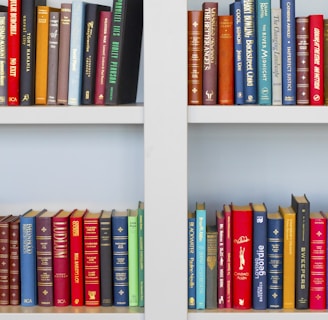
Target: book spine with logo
x=191, y=260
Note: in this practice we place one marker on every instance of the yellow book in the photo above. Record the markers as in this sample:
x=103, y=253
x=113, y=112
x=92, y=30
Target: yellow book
x=289, y=216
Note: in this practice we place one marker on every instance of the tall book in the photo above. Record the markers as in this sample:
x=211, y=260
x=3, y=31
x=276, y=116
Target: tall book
x=192, y=260
x=91, y=258
x=195, y=57
x=227, y=256
x=27, y=231
x=275, y=260
x=3, y=56
x=302, y=61
x=325, y=214
x=120, y=258
x=289, y=263
x=225, y=60
x=200, y=255
x=220, y=219
x=210, y=51
x=242, y=248
x=260, y=256
x=318, y=263
x=106, y=256
x=141, y=235
x=288, y=51
x=301, y=206
x=325, y=51
x=14, y=260
x=77, y=257
x=264, y=62
x=61, y=258
x=316, y=59
x=124, y=52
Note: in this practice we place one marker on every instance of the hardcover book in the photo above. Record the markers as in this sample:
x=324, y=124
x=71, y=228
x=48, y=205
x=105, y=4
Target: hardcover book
x=14, y=261
x=141, y=234
x=221, y=258
x=228, y=256
x=191, y=260
x=3, y=55
x=325, y=52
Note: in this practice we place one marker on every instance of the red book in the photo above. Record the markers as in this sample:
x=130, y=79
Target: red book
x=242, y=244
x=228, y=256
x=76, y=254
x=14, y=269
x=61, y=258
x=318, y=234
x=316, y=59
x=221, y=262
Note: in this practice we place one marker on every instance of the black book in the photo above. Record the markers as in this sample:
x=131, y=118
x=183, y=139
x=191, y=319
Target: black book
x=3, y=54
x=124, y=52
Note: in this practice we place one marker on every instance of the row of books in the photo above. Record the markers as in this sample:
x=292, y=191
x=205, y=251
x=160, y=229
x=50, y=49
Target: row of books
x=76, y=258
x=258, y=54
x=252, y=258
x=79, y=53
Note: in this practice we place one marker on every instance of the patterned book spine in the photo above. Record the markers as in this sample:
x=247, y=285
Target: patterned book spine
x=3, y=57
x=228, y=256
x=191, y=260
x=221, y=260
x=141, y=278
x=325, y=51
x=14, y=260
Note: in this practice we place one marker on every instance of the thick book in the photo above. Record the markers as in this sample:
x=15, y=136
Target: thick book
x=77, y=257
x=242, y=253
x=195, y=57
x=192, y=260
x=210, y=52
x=27, y=231
x=325, y=58
x=221, y=258
x=211, y=267
x=3, y=56
x=275, y=258
x=318, y=263
x=227, y=256
x=238, y=31
x=260, y=256
x=141, y=235
x=316, y=59
x=28, y=50
x=225, y=60
x=288, y=51
x=61, y=258
x=106, y=258
x=264, y=49
x=120, y=258
x=289, y=263
x=301, y=206
x=14, y=260
x=302, y=61
x=91, y=247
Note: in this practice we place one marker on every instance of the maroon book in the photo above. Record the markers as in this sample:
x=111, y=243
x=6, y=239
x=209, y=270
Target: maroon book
x=221, y=260
x=14, y=261
x=227, y=256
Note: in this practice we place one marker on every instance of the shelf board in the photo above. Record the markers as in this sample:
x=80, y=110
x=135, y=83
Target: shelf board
x=131, y=114
x=257, y=114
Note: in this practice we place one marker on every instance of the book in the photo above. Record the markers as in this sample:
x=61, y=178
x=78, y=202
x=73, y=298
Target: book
x=75, y=53
x=195, y=57
x=63, y=53
x=325, y=214
x=106, y=265
x=27, y=231
x=61, y=258
x=133, y=257
x=192, y=260
x=316, y=59
x=325, y=58
x=225, y=60
x=264, y=43
x=3, y=56
x=242, y=249
x=91, y=247
x=220, y=220
x=14, y=260
x=301, y=206
x=211, y=267
x=275, y=260
x=141, y=235
x=318, y=261
x=289, y=251
x=105, y=21
x=120, y=258
x=260, y=256
x=210, y=52
x=228, y=256
x=77, y=257
x=200, y=255
x=288, y=51
x=302, y=61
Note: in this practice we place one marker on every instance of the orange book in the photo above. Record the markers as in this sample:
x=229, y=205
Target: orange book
x=225, y=60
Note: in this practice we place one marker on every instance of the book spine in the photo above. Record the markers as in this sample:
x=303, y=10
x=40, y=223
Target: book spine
x=3, y=57
x=221, y=261
x=195, y=57
x=302, y=61
x=141, y=277
x=325, y=51
x=316, y=59
x=210, y=51
x=4, y=262
x=14, y=261
x=288, y=47
x=264, y=48
x=191, y=262
x=228, y=258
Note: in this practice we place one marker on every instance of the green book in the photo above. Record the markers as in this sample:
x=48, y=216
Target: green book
x=141, y=279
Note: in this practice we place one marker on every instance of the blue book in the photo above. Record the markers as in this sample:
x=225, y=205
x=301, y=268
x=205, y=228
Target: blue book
x=249, y=52
x=288, y=51
x=76, y=53
x=200, y=256
x=275, y=260
x=264, y=47
x=141, y=275
x=191, y=260
x=27, y=234
x=236, y=12
x=259, y=256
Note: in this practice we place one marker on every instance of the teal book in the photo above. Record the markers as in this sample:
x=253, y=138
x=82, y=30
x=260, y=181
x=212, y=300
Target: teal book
x=141, y=277
x=264, y=47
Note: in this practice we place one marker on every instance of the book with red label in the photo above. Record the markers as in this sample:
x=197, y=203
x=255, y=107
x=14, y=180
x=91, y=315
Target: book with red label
x=227, y=256
x=221, y=260
x=14, y=260
x=242, y=253
x=316, y=59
